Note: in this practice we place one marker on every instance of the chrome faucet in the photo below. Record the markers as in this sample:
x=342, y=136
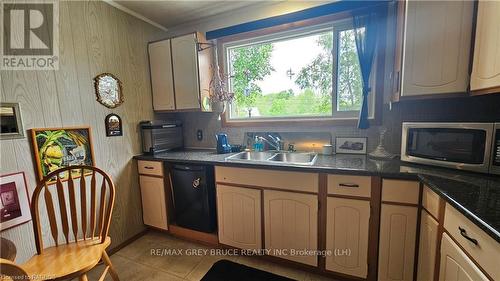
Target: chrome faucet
x=277, y=145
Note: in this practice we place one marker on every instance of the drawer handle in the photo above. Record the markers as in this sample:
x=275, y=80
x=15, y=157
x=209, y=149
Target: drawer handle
x=463, y=232
x=350, y=185
x=149, y=167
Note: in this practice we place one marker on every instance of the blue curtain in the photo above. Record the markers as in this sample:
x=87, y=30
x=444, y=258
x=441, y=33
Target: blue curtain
x=365, y=30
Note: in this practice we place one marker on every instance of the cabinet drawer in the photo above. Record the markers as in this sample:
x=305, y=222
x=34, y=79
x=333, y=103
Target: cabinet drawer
x=430, y=201
x=349, y=185
x=400, y=191
x=294, y=181
x=487, y=250
x=154, y=168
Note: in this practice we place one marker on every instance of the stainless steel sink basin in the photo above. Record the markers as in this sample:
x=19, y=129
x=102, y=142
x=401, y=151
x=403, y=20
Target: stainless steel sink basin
x=251, y=155
x=294, y=158
x=290, y=158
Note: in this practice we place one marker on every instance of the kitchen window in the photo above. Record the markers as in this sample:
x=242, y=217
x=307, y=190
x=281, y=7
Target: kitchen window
x=308, y=73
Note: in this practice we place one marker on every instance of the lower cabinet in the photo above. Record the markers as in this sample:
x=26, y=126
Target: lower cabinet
x=347, y=236
x=154, y=210
x=455, y=265
x=291, y=225
x=398, y=226
x=239, y=217
x=427, y=247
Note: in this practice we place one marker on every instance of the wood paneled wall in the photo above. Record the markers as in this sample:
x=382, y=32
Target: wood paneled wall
x=94, y=38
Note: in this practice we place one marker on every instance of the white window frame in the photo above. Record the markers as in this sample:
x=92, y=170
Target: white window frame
x=335, y=27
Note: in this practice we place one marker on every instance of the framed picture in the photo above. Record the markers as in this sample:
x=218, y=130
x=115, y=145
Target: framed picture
x=14, y=201
x=56, y=148
x=350, y=145
x=113, y=124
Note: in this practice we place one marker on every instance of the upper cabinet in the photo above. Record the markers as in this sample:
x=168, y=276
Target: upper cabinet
x=436, y=44
x=180, y=73
x=162, y=79
x=486, y=66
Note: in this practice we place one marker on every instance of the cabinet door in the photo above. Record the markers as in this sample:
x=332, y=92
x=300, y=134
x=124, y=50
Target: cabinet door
x=437, y=47
x=162, y=85
x=291, y=225
x=185, y=67
x=427, y=247
x=347, y=235
x=398, y=225
x=455, y=265
x=239, y=217
x=486, y=66
x=154, y=211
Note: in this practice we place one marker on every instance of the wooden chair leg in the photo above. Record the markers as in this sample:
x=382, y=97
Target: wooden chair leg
x=83, y=278
x=112, y=270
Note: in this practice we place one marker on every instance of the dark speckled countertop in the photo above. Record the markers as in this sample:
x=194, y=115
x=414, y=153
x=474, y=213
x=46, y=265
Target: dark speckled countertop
x=477, y=196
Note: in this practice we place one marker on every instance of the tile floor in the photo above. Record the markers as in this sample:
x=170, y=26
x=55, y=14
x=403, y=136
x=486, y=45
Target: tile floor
x=135, y=262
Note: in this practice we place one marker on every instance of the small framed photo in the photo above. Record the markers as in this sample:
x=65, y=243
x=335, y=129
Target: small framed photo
x=350, y=145
x=14, y=201
x=113, y=124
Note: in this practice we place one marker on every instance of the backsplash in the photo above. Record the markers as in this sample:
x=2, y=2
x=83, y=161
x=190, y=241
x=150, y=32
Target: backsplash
x=209, y=123
x=467, y=109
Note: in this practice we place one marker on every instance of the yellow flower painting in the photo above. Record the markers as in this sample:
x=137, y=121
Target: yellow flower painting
x=61, y=147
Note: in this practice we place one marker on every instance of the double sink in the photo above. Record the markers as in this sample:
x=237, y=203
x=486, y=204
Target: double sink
x=289, y=158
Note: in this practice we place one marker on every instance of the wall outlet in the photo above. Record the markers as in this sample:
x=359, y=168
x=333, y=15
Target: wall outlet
x=199, y=135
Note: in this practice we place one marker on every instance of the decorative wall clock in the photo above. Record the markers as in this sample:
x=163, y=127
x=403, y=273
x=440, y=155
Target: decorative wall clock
x=108, y=90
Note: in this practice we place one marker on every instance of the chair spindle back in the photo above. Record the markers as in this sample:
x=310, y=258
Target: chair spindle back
x=82, y=226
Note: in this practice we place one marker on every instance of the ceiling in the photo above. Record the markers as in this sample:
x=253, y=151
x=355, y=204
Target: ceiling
x=173, y=13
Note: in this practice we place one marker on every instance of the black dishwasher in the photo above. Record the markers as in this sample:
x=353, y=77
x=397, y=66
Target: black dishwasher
x=194, y=197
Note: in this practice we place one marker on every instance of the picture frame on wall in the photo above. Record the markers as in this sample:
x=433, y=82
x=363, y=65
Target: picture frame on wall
x=56, y=148
x=113, y=124
x=350, y=145
x=14, y=200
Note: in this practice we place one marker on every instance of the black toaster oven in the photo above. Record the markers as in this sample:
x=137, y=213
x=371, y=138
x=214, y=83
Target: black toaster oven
x=160, y=136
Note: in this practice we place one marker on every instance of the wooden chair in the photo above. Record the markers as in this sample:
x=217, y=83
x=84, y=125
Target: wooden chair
x=89, y=228
x=11, y=271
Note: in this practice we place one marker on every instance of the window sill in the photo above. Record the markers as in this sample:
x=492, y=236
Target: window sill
x=314, y=122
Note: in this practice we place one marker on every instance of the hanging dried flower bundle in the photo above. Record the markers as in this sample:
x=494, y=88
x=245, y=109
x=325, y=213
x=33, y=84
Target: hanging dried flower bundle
x=218, y=86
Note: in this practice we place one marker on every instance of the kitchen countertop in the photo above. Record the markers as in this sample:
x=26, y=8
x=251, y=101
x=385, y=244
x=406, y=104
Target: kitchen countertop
x=477, y=196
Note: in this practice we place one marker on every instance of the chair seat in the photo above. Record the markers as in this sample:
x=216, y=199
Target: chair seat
x=67, y=259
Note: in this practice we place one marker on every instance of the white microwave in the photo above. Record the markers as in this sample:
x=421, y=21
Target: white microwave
x=465, y=146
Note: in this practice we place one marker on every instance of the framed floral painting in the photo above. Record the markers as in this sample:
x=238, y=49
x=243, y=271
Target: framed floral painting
x=56, y=148
x=14, y=201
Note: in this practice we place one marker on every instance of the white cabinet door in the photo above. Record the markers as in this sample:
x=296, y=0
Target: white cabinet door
x=427, y=247
x=154, y=211
x=162, y=85
x=486, y=66
x=185, y=67
x=398, y=225
x=436, y=47
x=239, y=217
x=347, y=223
x=291, y=225
x=455, y=265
